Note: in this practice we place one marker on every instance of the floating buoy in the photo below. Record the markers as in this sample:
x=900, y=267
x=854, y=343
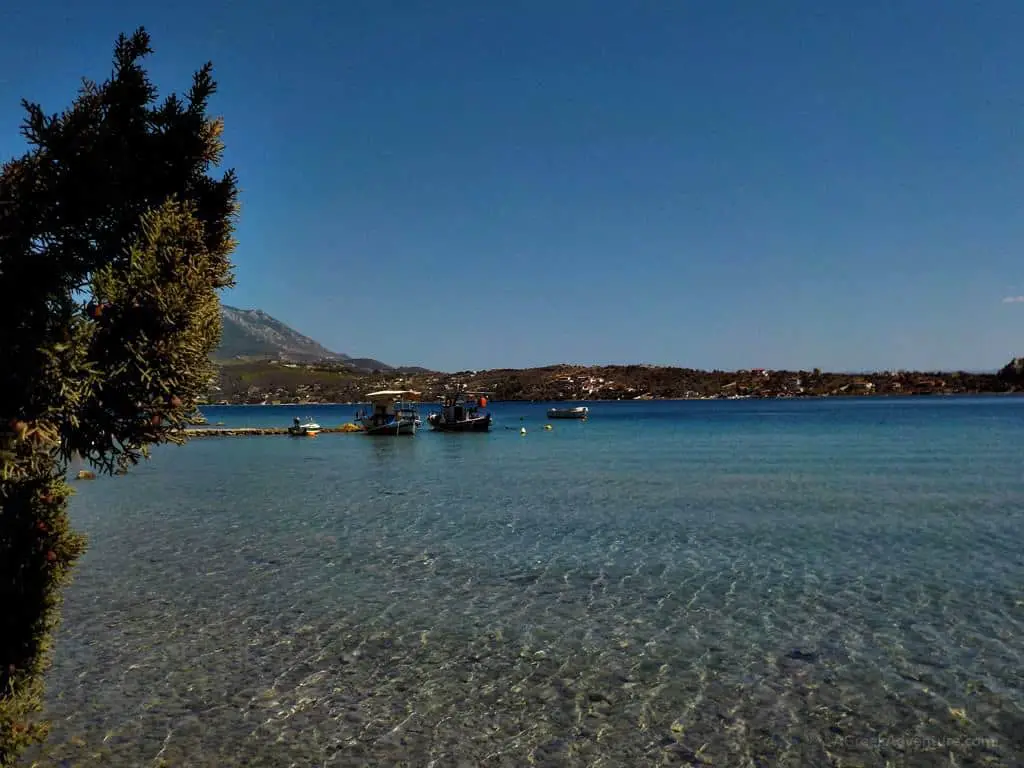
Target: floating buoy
x=547, y=426
x=522, y=430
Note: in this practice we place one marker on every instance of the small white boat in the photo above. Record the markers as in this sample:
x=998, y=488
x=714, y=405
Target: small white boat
x=579, y=412
x=393, y=412
x=304, y=429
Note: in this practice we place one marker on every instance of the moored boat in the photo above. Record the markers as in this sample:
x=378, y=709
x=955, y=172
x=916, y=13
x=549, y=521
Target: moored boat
x=461, y=411
x=304, y=429
x=392, y=412
x=579, y=412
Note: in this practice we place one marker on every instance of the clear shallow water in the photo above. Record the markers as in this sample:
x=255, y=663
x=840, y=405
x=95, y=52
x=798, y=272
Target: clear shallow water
x=833, y=582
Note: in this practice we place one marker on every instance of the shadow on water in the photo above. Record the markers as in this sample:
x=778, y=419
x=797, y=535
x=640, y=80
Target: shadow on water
x=388, y=448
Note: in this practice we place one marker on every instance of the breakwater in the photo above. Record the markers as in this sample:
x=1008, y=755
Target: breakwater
x=261, y=431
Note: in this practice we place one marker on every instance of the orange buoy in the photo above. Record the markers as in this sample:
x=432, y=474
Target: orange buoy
x=483, y=402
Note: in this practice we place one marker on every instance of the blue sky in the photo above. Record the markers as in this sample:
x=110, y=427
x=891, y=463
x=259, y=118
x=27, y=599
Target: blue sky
x=712, y=184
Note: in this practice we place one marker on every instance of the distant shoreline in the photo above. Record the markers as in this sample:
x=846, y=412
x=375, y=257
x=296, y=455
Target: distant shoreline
x=270, y=382
x=880, y=396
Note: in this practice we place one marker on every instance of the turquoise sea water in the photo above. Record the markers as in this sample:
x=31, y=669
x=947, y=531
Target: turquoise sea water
x=729, y=583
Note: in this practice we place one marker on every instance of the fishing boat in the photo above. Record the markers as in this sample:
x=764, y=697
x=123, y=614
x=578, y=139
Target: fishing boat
x=579, y=412
x=392, y=412
x=461, y=412
x=303, y=429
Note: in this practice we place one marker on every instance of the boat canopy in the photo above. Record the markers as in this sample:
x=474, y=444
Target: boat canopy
x=393, y=394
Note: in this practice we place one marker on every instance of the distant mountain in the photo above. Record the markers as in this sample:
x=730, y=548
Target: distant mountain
x=252, y=334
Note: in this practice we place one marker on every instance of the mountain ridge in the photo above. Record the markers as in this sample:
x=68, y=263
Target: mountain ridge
x=252, y=334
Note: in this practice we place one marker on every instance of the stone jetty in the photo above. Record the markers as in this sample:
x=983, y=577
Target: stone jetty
x=260, y=431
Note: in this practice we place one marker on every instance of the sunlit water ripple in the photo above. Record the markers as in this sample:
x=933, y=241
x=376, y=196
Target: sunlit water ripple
x=724, y=583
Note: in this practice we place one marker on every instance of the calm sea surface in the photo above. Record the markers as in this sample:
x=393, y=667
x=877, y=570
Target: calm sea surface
x=738, y=583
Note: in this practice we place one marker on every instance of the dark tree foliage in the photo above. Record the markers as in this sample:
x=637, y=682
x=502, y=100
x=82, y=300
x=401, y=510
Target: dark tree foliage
x=1013, y=371
x=114, y=240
